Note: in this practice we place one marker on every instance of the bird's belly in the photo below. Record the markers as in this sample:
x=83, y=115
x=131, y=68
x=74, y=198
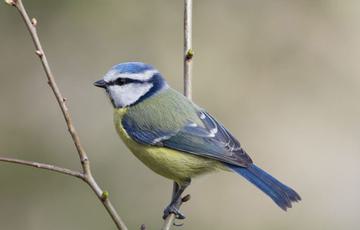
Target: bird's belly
x=172, y=164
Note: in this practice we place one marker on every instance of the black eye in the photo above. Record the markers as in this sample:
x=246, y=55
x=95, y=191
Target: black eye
x=121, y=81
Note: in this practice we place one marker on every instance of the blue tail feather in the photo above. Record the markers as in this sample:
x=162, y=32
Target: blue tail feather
x=281, y=194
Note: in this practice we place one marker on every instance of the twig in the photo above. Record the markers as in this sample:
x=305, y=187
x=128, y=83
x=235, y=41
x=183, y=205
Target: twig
x=49, y=167
x=188, y=57
x=87, y=175
x=169, y=221
x=188, y=51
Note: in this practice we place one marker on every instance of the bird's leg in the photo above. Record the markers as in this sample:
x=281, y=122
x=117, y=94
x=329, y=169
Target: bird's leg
x=175, y=190
x=173, y=207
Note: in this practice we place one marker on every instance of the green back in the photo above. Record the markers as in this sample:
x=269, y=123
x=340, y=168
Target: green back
x=168, y=111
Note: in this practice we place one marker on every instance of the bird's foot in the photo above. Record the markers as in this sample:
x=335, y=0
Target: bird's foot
x=173, y=209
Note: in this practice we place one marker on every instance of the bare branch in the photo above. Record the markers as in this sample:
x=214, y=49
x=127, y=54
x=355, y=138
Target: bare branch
x=49, y=167
x=87, y=175
x=188, y=57
x=169, y=221
x=188, y=51
x=52, y=83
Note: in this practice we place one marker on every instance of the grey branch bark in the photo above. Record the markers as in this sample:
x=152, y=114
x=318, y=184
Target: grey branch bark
x=188, y=51
x=49, y=167
x=87, y=175
x=188, y=57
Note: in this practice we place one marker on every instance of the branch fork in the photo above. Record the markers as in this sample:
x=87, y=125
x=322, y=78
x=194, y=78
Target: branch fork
x=86, y=174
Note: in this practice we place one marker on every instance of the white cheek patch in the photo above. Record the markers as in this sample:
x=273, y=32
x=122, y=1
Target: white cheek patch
x=128, y=94
x=112, y=75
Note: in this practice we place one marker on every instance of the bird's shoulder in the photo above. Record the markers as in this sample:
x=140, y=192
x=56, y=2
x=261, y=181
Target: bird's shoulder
x=167, y=110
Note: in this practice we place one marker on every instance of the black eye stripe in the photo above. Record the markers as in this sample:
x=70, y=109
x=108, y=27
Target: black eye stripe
x=123, y=81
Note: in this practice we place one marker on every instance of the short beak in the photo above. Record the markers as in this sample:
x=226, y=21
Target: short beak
x=100, y=83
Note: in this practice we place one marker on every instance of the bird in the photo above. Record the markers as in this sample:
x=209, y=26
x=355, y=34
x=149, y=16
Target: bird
x=176, y=138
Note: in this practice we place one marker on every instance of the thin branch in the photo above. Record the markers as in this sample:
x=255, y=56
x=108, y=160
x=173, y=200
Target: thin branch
x=31, y=26
x=188, y=51
x=169, y=221
x=88, y=178
x=188, y=57
x=49, y=167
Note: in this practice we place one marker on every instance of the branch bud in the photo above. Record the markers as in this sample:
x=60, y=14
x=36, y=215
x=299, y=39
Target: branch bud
x=10, y=2
x=39, y=53
x=34, y=21
x=186, y=198
x=84, y=159
x=104, y=195
x=189, y=54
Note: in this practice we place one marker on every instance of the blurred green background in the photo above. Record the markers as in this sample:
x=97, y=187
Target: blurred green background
x=282, y=75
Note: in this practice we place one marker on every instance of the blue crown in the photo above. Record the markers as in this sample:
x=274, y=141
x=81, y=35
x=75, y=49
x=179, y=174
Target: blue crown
x=132, y=67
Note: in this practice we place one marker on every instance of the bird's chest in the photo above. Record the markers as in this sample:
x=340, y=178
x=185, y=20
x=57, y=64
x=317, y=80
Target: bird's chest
x=169, y=163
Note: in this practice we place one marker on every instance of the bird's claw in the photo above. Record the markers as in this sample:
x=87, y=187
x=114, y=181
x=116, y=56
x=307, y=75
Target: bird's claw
x=173, y=209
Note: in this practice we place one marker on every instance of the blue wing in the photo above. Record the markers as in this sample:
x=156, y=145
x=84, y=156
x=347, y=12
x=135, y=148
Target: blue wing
x=209, y=139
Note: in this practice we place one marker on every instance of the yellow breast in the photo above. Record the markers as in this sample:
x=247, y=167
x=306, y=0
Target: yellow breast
x=172, y=164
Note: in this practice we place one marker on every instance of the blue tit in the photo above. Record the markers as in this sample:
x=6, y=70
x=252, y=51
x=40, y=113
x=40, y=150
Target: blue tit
x=176, y=138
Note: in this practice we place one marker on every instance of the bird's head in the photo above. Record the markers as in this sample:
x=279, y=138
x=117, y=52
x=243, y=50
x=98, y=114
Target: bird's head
x=130, y=83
